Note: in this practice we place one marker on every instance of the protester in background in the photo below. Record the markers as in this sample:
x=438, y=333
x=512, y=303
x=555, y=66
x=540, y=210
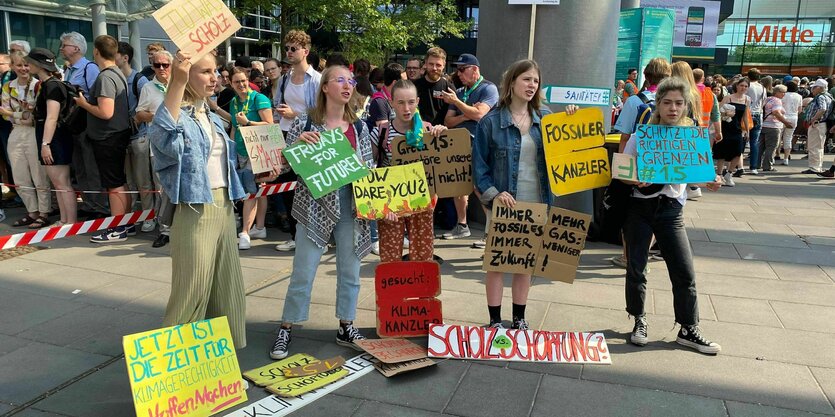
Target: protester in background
x=244, y=63
x=376, y=79
x=55, y=144
x=150, y=50
x=256, y=65
x=657, y=209
x=285, y=66
x=431, y=87
x=336, y=59
x=768, y=84
x=803, y=87
x=6, y=176
x=630, y=88
x=816, y=113
x=18, y=101
x=19, y=46
x=792, y=103
x=362, y=94
x=513, y=128
x=331, y=215
x=413, y=69
x=196, y=164
x=379, y=110
x=757, y=93
x=733, y=109
x=773, y=122
x=272, y=71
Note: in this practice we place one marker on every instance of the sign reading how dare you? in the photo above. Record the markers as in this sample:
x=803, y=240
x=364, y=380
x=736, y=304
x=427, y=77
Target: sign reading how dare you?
x=326, y=165
x=574, y=154
x=185, y=370
x=197, y=26
x=674, y=154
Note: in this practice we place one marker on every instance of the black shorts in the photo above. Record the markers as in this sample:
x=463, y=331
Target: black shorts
x=110, y=159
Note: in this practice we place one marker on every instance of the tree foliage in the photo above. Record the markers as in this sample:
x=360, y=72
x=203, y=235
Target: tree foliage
x=371, y=29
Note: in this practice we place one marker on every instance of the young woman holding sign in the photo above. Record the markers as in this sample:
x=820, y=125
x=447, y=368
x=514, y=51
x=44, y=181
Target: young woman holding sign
x=196, y=161
x=657, y=209
x=407, y=122
x=509, y=166
x=332, y=214
x=249, y=108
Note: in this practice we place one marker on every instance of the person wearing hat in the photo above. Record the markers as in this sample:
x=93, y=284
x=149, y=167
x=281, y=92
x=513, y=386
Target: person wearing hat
x=816, y=113
x=55, y=143
x=467, y=106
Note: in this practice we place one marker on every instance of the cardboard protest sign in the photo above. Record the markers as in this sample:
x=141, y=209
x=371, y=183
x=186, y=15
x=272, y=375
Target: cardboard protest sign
x=314, y=368
x=674, y=154
x=263, y=144
x=448, y=161
x=574, y=155
x=406, y=302
x=583, y=96
x=484, y=343
x=292, y=387
x=327, y=165
x=274, y=372
x=197, y=26
x=391, y=369
x=623, y=167
x=399, y=189
x=185, y=369
x=392, y=350
x=535, y=239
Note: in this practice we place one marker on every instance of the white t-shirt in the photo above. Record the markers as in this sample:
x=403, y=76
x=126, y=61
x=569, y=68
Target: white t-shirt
x=791, y=104
x=527, y=187
x=670, y=190
x=757, y=93
x=293, y=97
x=217, y=167
x=151, y=96
x=772, y=105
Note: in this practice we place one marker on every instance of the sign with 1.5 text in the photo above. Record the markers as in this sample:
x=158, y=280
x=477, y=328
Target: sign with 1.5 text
x=574, y=154
x=326, y=165
x=263, y=144
x=197, y=26
x=486, y=343
x=406, y=302
x=447, y=159
x=674, y=154
x=400, y=189
x=582, y=96
x=189, y=369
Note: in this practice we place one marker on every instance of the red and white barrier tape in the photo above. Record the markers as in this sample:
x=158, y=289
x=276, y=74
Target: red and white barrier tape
x=26, y=187
x=271, y=189
x=67, y=230
x=263, y=191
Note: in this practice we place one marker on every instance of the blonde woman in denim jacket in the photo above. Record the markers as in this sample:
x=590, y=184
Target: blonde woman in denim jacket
x=509, y=166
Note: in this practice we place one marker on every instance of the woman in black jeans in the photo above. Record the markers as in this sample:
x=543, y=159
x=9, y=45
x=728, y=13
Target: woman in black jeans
x=657, y=209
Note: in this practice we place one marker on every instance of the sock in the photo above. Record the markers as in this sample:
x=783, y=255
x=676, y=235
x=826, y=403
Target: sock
x=495, y=313
x=518, y=312
x=462, y=224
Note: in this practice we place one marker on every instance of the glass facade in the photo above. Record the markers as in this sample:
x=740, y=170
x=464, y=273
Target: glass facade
x=45, y=31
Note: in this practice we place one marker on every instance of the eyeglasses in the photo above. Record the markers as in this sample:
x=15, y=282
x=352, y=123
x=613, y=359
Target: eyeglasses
x=159, y=65
x=412, y=68
x=463, y=68
x=292, y=48
x=342, y=80
x=64, y=45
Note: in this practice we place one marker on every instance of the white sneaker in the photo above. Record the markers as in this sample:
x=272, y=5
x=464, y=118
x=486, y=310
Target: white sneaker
x=256, y=233
x=375, y=248
x=405, y=243
x=149, y=226
x=244, y=242
x=755, y=172
x=785, y=162
x=729, y=180
x=694, y=193
x=287, y=246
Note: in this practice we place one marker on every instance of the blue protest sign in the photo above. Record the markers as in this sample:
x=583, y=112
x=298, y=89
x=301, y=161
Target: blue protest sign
x=674, y=154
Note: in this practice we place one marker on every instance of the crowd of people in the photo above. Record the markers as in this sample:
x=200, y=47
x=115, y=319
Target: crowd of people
x=170, y=135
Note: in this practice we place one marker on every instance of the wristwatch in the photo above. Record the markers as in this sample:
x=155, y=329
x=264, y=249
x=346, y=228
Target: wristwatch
x=46, y=144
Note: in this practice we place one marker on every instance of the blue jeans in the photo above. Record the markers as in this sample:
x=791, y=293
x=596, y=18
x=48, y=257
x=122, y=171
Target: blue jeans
x=306, y=262
x=754, y=141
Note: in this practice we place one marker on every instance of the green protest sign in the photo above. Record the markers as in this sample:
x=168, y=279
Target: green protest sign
x=327, y=165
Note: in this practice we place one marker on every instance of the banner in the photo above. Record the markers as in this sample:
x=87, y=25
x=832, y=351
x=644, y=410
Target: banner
x=401, y=190
x=485, y=343
x=189, y=369
x=448, y=161
x=535, y=239
x=623, y=167
x=574, y=154
x=197, y=26
x=643, y=34
x=674, y=154
x=263, y=144
x=406, y=302
x=581, y=96
x=696, y=21
x=327, y=165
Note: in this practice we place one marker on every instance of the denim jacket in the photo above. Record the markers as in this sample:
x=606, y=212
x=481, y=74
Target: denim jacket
x=496, y=150
x=181, y=153
x=312, y=78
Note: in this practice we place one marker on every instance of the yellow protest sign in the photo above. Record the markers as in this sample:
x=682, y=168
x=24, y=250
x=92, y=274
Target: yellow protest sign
x=292, y=387
x=574, y=155
x=189, y=369
x=401, y=189
x=274, y=372
x=197, y=26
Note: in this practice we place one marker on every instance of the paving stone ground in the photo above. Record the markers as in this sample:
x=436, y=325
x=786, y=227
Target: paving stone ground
x=764, y=254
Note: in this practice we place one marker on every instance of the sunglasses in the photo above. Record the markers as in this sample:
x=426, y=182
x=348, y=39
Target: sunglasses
x=463, y=68
x=291, y=48
x=342, y=80
x=159, y=65
x=412, y=68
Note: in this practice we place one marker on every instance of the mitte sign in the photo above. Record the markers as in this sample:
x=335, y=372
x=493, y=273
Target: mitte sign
x=779, y=34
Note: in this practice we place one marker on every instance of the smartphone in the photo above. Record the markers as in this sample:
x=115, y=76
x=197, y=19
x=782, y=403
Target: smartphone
x=695, y=26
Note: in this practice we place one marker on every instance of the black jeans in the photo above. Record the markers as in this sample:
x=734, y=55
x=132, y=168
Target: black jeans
x=660, y=216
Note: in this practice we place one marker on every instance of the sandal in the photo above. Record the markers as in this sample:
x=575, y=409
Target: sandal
x=24, y=221
x=39, y=222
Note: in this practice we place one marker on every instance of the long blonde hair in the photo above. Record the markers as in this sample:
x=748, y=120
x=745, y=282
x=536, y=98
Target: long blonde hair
x=189, y=95
x=683, y=71
x=317, y=113
x=668, y=85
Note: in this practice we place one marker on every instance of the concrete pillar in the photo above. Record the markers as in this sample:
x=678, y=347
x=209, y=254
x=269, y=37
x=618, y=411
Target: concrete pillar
x=135, y=40
x=575, y=44
x=228, y=48
x=630, y=4
x=97, y=10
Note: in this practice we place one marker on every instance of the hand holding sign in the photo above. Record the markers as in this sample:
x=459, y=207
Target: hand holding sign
x=325, y=161
x=197, y=26
x=674, y=154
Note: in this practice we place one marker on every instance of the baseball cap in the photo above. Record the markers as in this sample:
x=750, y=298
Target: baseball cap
x=820, y=83
x=43, y=58
x=467, y=59
x=787, y=79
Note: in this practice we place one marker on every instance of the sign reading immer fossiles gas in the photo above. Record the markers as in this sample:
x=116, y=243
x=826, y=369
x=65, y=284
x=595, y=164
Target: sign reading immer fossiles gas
x=585, y=96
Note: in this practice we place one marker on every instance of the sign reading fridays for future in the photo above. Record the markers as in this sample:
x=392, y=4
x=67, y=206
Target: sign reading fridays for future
x=574, y=154
x=326, y=165
x=674, y=154
x=263, y=145
x=399, y=189
x=189, y=369
x=197, y=26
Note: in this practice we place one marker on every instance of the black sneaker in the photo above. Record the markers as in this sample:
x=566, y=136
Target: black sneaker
x=115, y=235
x=347, y=334
x=520, y=324
x=130, y=230
x=495, y=325
x=281, y=344
x=810, y=171
x=639, y=332
x=691, y=336
x=738, y=173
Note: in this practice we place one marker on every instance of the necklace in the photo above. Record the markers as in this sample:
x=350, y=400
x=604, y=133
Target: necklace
x=521, y=121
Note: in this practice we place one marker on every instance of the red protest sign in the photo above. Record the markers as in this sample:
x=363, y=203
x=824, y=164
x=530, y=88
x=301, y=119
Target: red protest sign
x=406, y=302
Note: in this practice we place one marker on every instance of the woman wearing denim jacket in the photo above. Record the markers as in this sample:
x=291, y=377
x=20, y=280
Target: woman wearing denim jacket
x=196, y=163
x=330, y=215
x=509, y=165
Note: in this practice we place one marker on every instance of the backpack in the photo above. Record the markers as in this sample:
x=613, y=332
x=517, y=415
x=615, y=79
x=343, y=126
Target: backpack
x=71, y=117
x=645, y=109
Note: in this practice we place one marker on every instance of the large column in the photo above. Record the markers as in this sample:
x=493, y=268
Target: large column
x=135, y=41
x=97, y=10
x=575, y=44
x=630, y=4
